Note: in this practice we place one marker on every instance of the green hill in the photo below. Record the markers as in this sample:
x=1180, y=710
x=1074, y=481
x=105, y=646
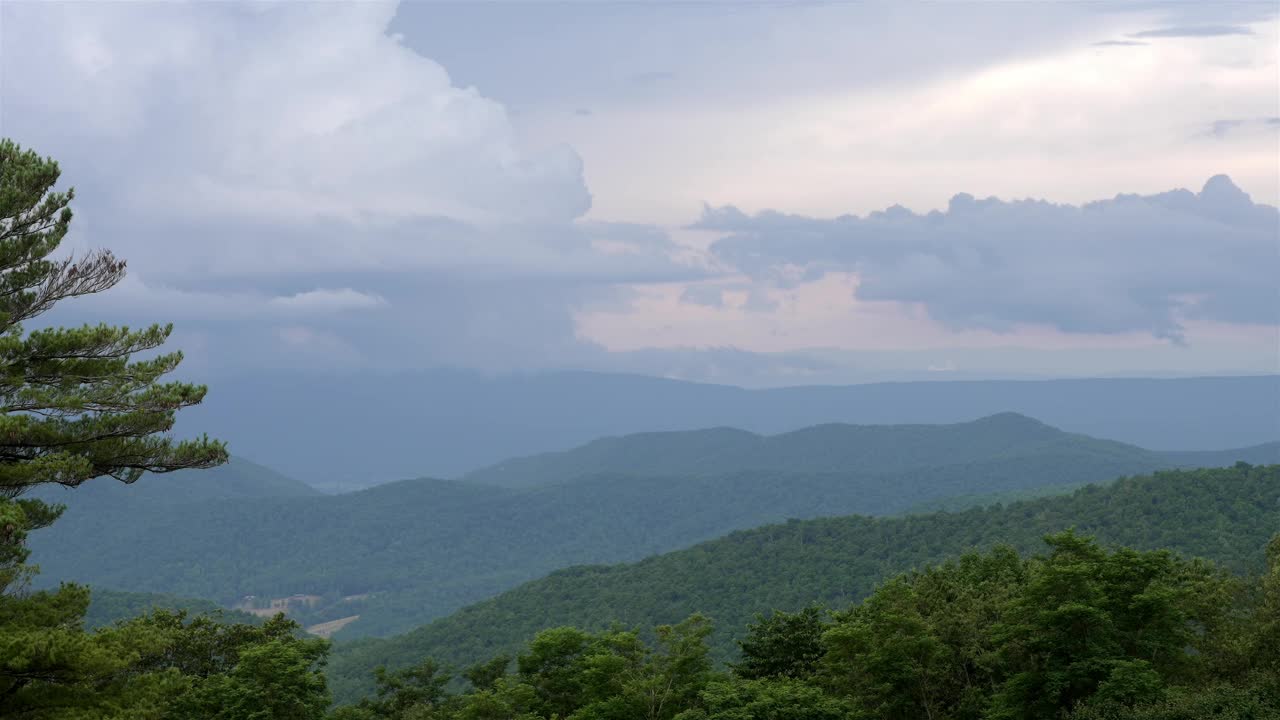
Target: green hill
x=822, y=448
x=413, y=551
x=1225, y=515
x=839, y=448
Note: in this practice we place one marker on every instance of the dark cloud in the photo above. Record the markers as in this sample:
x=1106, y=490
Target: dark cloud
x=357, y=209
x=1131, y=263
x=1193, y=31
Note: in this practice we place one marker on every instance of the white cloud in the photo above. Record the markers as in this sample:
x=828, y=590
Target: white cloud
x=323, y=300
x=295, y=173
x=281, y=111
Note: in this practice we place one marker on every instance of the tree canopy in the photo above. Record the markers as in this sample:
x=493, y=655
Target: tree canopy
x=1080, y=632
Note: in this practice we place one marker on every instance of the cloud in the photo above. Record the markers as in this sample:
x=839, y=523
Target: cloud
x=703, y=295
x=261, y=165
x=276, y=110
x=1119, y=43
x=1129, y=264
x=1193, y=31
x=326, y=301
x=289, y=177
x=1233, y=126
x=1220, y=128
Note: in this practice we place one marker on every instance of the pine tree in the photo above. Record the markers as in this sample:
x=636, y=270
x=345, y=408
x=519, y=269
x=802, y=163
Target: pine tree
x=74, y=405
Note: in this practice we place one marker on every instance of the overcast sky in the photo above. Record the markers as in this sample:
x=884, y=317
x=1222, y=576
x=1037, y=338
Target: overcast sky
x=758, y=193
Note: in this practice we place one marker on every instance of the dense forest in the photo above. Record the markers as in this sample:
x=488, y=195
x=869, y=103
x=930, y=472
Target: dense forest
x=1075, y=632
x=405, y=553
x=1078, y=632
x=1225, y=515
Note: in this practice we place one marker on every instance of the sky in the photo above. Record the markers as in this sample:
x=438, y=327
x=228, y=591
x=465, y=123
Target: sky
x=744, y=192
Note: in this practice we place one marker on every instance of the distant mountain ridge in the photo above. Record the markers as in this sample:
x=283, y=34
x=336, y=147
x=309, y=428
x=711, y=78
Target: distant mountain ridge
x=838, y=447
x=446, y=423
x=1226, y=515
x=422, y=548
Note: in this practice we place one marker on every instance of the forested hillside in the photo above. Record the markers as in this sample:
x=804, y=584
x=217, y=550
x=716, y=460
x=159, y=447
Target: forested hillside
x=1225, y=515
x=412, y=551
x=1077, y=631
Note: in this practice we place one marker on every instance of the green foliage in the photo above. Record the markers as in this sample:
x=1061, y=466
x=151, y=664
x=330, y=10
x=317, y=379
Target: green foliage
x=1081, y=632
x=106, y=607
x=1217, y=702
x=782, y=645
x=1225, y=515
x=237, y=672
x=75, y=405
x=51, y=668
x=1094, y=623
x=160, y=666
x=272, y=681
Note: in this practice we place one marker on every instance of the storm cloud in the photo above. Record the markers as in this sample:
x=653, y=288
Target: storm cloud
x=292, y=185
x=1128, y=264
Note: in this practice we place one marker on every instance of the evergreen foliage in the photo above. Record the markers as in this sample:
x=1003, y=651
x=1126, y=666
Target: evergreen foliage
x=74, y=403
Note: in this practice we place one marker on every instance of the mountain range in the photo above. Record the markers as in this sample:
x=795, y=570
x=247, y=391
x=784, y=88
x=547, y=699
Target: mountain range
x=404, y=553
x=340, y=432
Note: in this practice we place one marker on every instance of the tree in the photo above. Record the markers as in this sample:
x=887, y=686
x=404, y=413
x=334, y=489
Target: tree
x=775, y=699
x=1116, y=626
x=402, y=695
x=74, y=405
x=783, y=645
x=919, y=647
x=485, y=675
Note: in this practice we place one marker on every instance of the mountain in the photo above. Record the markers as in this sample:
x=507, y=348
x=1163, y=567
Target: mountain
x=1226, y=515
x=347, y=430
x=404, y=553
x=841, y=448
